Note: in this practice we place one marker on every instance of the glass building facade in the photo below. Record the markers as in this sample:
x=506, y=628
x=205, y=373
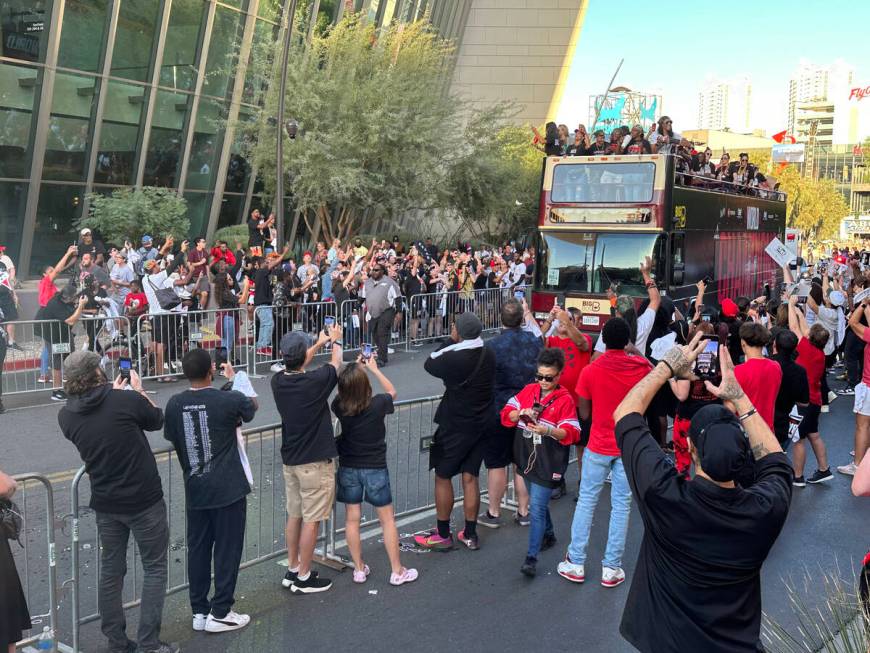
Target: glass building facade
x=97, y=95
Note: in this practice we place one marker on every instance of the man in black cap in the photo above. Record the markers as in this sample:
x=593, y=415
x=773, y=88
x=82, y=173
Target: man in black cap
x=697, y=584
x=307, y=450
x=468, y=371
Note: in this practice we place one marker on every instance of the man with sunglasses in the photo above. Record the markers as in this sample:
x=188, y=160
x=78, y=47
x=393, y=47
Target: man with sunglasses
x=380, y=293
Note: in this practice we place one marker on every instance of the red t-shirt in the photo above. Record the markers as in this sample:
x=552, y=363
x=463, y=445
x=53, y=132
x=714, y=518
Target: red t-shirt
x=812, y=359
x=47, y=289
x=136, y=302
x=575, y=360
x=760, y=379
x=195, y=256
x=605, y=382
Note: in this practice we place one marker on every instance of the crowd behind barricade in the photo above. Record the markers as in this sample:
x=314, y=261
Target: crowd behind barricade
x=146, y=302
x=693, y=166
x=742, y=382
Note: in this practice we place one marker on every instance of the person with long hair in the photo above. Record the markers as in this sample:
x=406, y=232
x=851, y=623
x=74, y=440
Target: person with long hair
x=663, y=139
x=362, y=460
x=228, y=301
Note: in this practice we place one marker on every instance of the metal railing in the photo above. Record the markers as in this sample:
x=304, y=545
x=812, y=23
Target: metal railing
x=38, y=526
x=162, y=339
x=409, y=432
x=157, y=343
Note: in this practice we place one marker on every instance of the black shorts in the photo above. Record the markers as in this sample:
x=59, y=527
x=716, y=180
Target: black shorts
x=810, y=422
x=498, y=449
x=163, y=327
x=454, y=453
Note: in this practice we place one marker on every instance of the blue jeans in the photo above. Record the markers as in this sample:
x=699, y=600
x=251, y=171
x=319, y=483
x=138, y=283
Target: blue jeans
x=228, y=334
x=595, y=469
x=539, y=510
x=264, y=314
x=43, y=361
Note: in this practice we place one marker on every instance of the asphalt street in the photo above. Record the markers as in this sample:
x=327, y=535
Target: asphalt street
x=462, y=599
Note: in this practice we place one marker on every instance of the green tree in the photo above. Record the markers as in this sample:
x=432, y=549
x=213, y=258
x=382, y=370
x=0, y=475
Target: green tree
x=128, y=214
x=494, y=188
x=379, y=134
x=815, y=206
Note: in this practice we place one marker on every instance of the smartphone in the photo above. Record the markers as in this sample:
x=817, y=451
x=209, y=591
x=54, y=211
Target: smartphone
x=519, y=295
x=220, y=356
x=328, y=322
x=707, y=363
x=124, y=367
x=705, y=318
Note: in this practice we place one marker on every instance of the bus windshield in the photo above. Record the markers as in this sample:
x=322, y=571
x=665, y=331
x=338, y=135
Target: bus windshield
x=603, y=183
x=594, y=262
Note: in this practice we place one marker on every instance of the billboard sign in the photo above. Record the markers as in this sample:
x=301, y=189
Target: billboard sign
x=788, y=153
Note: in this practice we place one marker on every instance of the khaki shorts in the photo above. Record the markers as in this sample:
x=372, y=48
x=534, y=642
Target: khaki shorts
x=310, y=490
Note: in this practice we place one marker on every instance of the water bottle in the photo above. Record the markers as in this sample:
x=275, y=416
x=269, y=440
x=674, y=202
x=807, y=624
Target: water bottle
x=45, y=641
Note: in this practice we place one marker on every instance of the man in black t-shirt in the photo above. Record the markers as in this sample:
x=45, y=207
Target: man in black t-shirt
x=697, y=584
x=794, y=388
x=202, y=424
x=55, y=322
x=307, y=450
x=263, y=294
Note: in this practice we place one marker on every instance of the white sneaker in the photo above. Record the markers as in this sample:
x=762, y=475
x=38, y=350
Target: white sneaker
x=848, y=470
x=570, y=571
x=233, y=621
x=826, y=408
x=832, y=395
x=390, y=350
x=199, y=622
x=277, y=367
x=611, y=577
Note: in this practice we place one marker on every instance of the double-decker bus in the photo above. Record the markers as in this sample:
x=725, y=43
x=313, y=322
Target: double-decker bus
x=601, y=215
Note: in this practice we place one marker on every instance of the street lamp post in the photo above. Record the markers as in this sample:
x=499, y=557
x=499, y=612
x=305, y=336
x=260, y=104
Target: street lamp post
x=290, y=6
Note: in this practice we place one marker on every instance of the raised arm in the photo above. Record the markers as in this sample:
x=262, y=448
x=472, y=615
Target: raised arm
x=372, y=365
x=761, y=438
x=797, y=323
x=64, y=261
x=855, y=320
x=573, y=332
x=655, y=297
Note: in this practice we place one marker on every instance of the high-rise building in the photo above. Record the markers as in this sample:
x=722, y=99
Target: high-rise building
x=97, y=95
x=812, y=91
x=725, y=104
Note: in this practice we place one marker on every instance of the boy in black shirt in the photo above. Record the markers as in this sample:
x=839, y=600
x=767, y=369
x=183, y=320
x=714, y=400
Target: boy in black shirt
x=202, y=424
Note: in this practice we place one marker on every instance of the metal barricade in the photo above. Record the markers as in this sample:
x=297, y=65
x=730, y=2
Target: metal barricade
x=356, y=326
x=272, y=322
x=264, y=532
x=38, y=525
x=162, y=339
x=109, y=336
x=26, y=366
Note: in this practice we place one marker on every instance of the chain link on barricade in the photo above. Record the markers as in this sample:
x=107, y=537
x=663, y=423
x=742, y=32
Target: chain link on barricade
x=39, y=597
x=162, y=339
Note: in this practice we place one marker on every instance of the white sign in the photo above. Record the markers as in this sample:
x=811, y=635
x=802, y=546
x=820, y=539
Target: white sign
x=861, y=296
x=779, y=252
x=60, y=348
x=590, y=320
x=553, y=277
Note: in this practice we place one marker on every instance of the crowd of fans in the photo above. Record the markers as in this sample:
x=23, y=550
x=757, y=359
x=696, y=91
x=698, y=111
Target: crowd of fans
x=693, y=166
x=713, y=497
x=157, y=286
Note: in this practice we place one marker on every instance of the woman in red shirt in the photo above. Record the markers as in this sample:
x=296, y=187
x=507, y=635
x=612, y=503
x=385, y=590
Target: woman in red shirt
x=811, y=356
x=547, y=418
x=758, y=376
x=47, y=290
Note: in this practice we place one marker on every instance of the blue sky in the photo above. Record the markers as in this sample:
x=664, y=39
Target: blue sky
x=671, y=46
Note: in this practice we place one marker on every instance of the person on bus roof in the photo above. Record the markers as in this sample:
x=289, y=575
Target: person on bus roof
x=664, y=137
x=599, y=146
x=635, y=142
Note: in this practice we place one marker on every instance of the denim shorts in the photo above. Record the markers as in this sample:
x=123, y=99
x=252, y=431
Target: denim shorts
x=371, y=485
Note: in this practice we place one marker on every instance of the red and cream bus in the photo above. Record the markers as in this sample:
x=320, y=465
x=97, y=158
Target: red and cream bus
x=601, y=215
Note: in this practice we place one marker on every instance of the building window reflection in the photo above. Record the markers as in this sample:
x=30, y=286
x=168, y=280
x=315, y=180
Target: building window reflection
x=178, y=68
x=59, y=206
x=18, y=90
x=137, y=26
x=69, y=127
x=119, y=135
x=164, y=146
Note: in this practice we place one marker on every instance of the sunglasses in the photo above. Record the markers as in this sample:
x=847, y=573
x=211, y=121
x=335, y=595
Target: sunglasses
x=546, y=377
